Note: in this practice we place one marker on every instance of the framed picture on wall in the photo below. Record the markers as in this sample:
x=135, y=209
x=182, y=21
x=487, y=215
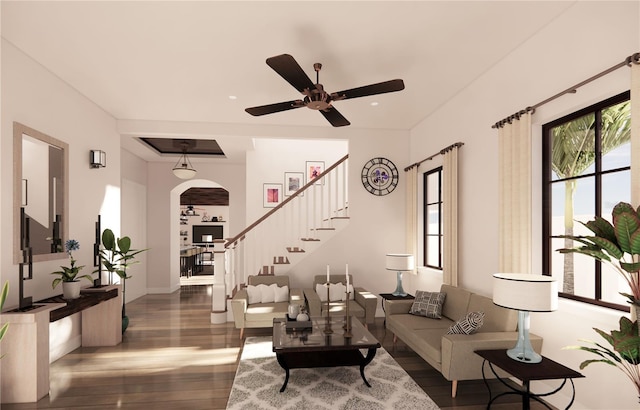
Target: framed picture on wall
x=293, y=181
x=314, y=168
x=272, y=195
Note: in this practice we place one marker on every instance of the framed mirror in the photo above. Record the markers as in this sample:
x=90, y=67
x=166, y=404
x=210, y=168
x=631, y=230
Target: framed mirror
x=41, y=188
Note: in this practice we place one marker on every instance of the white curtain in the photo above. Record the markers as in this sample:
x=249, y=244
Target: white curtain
x=450, y=216
x=412, y=213
x=635, y=133
x=514, y=163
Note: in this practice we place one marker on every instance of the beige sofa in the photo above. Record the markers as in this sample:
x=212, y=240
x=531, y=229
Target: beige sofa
x=252, y=315
x=453, y=355
x=363, y=306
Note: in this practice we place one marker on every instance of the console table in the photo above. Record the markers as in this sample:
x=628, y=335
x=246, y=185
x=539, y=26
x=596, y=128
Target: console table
x=25, y=366
x=526, y=372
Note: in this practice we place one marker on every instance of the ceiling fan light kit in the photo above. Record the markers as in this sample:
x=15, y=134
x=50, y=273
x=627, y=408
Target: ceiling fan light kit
x=315, y=97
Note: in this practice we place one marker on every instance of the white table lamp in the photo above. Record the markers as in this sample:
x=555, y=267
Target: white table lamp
x=400, y=263
x=525, y=293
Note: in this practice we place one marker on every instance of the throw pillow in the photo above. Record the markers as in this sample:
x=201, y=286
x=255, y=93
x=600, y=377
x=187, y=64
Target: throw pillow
x=428, y=304
x=352, y=294
x=469, y=324
x=267, y=293
x=253, y=294
x=337, y=291
x=281, y=294
x=321, y=290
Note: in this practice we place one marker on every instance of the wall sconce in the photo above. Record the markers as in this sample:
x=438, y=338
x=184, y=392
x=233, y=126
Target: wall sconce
x=97, y=159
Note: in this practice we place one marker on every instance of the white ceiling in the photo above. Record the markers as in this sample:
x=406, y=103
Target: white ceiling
x=180, y=61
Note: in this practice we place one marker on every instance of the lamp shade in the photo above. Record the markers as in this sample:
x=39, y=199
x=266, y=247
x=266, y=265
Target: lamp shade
x=526, y=292
x=207, y=238
x=400, y=262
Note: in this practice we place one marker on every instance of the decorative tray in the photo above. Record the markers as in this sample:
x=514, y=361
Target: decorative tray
x=291, y=325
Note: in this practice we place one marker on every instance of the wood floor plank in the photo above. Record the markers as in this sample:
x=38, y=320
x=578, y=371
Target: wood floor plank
x=172, y=357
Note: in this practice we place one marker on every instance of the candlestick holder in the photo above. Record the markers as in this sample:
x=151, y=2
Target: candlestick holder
x=347, y=319
x=327, y=324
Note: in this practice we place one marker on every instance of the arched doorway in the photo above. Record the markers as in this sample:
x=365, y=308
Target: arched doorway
x=198, y=193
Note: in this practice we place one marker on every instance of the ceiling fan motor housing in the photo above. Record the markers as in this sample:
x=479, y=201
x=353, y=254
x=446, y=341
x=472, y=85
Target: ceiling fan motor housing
x=317, y=99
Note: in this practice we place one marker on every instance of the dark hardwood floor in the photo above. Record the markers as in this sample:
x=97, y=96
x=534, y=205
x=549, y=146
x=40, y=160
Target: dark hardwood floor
x=172, y=357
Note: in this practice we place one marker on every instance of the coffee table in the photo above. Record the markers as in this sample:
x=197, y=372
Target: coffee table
x=313, y=348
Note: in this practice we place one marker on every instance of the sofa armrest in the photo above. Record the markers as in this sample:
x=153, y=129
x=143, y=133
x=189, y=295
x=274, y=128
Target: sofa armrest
x=239, y=307
x=313, y=302
x=397, y=307
x=296, y=297
x=368, y=301
x=459, y=361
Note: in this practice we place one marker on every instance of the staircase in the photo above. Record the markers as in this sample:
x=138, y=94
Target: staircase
x=296, y=227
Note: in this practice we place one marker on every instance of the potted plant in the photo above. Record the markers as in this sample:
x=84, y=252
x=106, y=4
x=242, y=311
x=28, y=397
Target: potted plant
x=69, y=275
x=625, y=352
x=116, y=257
x=3, y=297
x=617, y=245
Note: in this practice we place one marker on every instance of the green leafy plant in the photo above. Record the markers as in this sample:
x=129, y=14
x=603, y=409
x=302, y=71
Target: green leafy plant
x=623, y=354
x=617, y=245
x=70, y=274
x=116, y=257
x=3, y=298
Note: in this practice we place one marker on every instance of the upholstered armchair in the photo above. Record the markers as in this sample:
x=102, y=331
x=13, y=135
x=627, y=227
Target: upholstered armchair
x=362, y=305
x=263, y=299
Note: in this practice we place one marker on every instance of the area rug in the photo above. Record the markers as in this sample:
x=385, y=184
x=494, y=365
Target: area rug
x=259, y=378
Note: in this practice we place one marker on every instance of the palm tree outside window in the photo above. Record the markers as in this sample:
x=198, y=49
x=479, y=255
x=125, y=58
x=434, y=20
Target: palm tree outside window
x=586, y=165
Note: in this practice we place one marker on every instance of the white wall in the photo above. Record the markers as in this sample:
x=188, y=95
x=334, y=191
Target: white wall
x=134, y=220
x=271, y=158
x=37, y=98
x=585, y=40
x=377, y=223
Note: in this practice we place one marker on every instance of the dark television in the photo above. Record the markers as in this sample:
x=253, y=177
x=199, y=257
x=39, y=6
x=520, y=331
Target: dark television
x=216, y=231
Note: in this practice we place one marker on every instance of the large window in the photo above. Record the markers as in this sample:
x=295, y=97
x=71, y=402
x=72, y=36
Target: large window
x=586, y=162
x=433, y=218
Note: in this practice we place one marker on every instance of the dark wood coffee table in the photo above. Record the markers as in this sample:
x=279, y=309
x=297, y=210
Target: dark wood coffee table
x=313, y=348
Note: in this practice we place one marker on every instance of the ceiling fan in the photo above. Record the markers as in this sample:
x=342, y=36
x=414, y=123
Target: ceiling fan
x=315, y=97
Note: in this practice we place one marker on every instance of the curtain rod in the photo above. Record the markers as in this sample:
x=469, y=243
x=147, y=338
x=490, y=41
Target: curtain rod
x=441, y=152
x=634, y=58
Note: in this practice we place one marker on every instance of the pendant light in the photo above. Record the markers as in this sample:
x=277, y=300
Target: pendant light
x=183, y=168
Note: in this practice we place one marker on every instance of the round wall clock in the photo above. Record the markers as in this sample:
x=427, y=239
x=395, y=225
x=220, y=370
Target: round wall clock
x=379, y=176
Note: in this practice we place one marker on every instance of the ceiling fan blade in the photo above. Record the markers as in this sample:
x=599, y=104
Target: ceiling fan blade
x=290, y=70
x=334, y=117
x=272, y=108
x=372, y=89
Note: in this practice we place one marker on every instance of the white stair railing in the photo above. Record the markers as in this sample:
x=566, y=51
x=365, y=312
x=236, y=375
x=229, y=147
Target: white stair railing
x=262, y=248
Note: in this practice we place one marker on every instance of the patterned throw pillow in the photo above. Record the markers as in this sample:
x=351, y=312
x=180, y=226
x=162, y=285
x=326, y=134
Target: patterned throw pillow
x=428, y=304
x=471, y=322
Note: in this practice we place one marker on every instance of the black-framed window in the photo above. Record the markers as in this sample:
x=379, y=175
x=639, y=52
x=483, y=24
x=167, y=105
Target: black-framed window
x=432, y=218
x=586, y=171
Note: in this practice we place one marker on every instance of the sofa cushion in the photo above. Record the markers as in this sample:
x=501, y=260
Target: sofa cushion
x=429, y=342
x=467, y=325
x=457, y=302
x=428, y=304
x=339, y=308
x=261, y=312
x=410, y=323
x=496, y=319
